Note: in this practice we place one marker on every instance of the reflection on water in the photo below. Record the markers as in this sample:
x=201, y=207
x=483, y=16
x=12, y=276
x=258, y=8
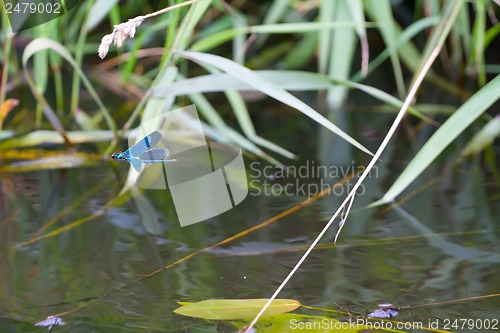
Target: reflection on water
x=442, y=245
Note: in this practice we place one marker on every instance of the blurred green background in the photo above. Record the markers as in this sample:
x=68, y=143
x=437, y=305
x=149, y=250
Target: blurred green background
x=293, y=83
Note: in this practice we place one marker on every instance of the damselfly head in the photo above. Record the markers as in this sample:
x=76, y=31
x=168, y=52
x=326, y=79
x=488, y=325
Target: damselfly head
x=114, y=156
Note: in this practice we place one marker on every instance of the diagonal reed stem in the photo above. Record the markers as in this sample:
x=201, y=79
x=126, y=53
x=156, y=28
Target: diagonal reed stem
x=443, y=32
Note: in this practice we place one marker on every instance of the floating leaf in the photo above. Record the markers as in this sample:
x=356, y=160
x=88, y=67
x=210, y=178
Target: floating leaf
x=233, y=309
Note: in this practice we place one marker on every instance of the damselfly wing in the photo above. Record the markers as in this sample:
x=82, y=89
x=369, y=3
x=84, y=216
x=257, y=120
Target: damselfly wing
x=141, y=152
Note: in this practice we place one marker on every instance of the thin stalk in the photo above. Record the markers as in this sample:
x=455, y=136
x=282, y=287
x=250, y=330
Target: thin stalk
x=351, y=194
x=411, y=95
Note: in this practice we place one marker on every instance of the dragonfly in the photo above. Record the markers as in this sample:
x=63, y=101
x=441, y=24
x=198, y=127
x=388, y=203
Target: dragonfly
x=141, y=152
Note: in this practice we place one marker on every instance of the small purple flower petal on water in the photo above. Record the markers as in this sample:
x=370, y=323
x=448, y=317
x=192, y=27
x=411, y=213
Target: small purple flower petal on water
x=50, y=322
x=384, y=311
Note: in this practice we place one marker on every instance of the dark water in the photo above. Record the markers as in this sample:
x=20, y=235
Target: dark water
x=429, y=257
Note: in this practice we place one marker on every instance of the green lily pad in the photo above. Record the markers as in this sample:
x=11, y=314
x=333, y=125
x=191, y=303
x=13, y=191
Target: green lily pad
x=233, y=309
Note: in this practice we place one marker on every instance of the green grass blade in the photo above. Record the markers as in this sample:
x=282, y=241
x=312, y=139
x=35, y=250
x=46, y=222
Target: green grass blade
x=78, y=58
x=224, y=36
x=440, y=32
x=340, y=62
x=36, y=138
x=5, y=55
x=208, y=111
x=483, y=138
x=99, y=10
x=326, y=15
x=156, y=106
x=410, y=32
x=239, y=41
x=168, y=74
x=478, y=39
x=216, y=39
x=240, y=110
x=453, y=127
x=460, y=44
x=276, y=11
x=41, y=44
x=381, y=11
x=491, y=34
x=192, y=18
x=303, y=27
x=303, y=52
x=267, y=87
x=41, y=62
x=357, y=14
x=339, y=66
x=288, y=80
